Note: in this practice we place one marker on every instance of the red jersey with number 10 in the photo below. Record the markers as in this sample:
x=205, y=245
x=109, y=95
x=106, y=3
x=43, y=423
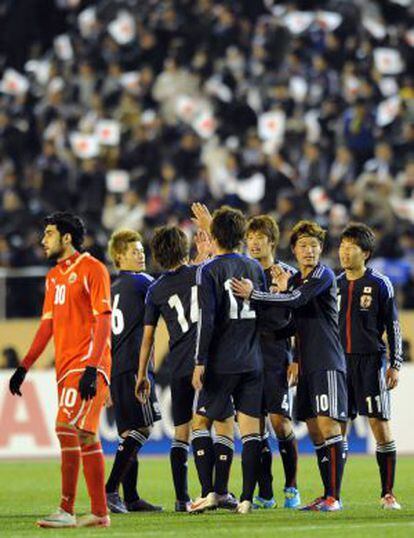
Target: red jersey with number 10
x=77, y=290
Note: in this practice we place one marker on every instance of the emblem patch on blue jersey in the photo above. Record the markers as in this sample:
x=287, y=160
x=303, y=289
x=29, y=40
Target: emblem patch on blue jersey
x=365, y=301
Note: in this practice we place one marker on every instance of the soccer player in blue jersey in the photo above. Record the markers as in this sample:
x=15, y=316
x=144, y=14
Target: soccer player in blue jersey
x=134, y=420
x=321, y=394
x=262, y=238
x=367, y=311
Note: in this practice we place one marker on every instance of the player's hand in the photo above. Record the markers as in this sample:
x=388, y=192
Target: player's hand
x=143, y=389
x=87, y=383
x=17, y=379
x=392, y=377
x=242, y=288
x=293, y=374
x=280, y=277
x=198, y=377
x=202, y=216
x=204, y=246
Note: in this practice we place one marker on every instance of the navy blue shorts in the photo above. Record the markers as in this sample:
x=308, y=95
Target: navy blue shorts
x=322, y=393
x=276, y=394
x=224, y=394
x=130, y=414
x=367, y=389
x=182, y=399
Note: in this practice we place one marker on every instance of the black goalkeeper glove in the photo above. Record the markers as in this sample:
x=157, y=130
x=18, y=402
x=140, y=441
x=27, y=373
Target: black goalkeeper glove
x=87, y=383
x=16, y=380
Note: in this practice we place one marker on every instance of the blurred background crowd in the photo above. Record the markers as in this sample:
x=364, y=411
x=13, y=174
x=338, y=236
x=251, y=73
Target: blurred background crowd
x=127, y=111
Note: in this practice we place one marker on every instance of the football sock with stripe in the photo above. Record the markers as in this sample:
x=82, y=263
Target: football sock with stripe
x=387, y=459
x=94, y=471
x=323, y=461
x=288, y=449
x=250, y=464
x=223, y=453
x=125, y=456
x=265, y=477
x=179, y=469
x=203, y=453
x=70, y=464
x=334, y=447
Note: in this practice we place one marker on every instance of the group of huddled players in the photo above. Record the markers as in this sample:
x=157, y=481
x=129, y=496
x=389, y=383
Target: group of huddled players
x=231, y=320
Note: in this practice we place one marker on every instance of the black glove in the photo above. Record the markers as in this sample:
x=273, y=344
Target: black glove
x=17, y=379
x=87, y=383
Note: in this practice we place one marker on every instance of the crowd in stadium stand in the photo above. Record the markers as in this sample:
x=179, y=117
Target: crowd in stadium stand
x=127, y=111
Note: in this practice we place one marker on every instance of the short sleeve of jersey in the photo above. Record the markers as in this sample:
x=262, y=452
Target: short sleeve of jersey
x=99, y=286
x=47, y=312
x=152, y=312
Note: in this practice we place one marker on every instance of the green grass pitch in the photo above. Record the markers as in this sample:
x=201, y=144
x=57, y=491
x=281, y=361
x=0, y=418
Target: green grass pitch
x=30, y=489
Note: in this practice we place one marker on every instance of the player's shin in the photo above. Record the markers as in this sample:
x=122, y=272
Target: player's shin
x=94, y=471
x=265, y=477
x=289, y=454
x=70, y=463
x=179, y=469
x=336, y=455
x=250, y=465
x=223, y=452
x=387, y=458
x=204, y=459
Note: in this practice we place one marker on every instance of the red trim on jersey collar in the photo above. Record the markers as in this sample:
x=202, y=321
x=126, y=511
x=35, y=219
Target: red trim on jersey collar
x=67, y=262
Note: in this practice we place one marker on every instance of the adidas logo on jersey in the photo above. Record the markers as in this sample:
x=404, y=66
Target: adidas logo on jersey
x=324, y=459
x=202, y=409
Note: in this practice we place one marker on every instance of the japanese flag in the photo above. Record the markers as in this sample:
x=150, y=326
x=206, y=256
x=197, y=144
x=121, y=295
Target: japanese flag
x=63, y=48
x=130, y=81
x=388, y=86
x=108, y=132
x=388, y=110
x=40, y=69
x=320, y=200
x=388, y=61
x=204, y=124
x=84, y=146
x=272, y=126
x=298, y=88
x=374, y=27
x=298, y=21
x=117, y=181
x=87, y=21
x=186, y=107
x=329, y=20
x=122, y=29
x=13, y=83
x=251, y=190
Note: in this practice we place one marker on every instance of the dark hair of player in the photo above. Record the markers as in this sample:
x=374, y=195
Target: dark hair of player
x=266, y=225
x=119, y=241
x=169, y=246
x=361, y=235
x=68, y=223
x=228, y=227
x=307, y=228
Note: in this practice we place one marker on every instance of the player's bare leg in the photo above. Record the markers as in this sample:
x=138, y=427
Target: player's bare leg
x=179, y=466
x=289, y=453
x=223, y=453
x=70, y=463
x=94, y=472
x=250, y=433
x=386, y=458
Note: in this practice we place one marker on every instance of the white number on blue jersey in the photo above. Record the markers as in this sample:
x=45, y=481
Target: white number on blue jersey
x=118, y=322
x=245, y=312
x=175, y=302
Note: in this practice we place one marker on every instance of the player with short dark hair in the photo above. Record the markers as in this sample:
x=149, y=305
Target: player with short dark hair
x=367, y=310
x=321, y=393
x=229, y=365
x=77, y=313
x=174, y=298
x=134, y=420
x=262, y=238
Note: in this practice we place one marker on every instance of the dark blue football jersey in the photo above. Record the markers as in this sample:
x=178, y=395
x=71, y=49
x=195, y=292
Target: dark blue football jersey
x=128, y=307
x=228, y=338
x=367, y=310
x=174, y=297
x=314, y=306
